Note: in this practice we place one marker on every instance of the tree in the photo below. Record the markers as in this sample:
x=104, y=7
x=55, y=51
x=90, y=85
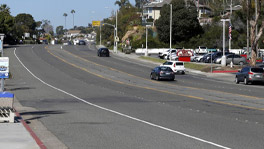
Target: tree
x=47, y=27
x=122, y=3
x=5, y=9
x=6, y=23
x=254, y=38
x=59, y=30
x=65, y=15
x=185, y=24
x=73, y=12
x=140, y=3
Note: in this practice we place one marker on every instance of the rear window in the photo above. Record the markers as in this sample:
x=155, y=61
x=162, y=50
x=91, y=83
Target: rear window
x=167, y=63
x=166, y=69
x=257, y=70
x=179, y=63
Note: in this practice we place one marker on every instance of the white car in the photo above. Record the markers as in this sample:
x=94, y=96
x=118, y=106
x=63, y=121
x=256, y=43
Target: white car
x=176, y=66
x=163, y=55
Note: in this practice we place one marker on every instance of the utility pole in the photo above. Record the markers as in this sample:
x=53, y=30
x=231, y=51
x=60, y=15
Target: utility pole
x=2, y=55
x=223, y=61
x=247, y=30
x=170, y=28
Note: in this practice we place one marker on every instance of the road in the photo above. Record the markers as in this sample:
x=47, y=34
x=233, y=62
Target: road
x=87, y=101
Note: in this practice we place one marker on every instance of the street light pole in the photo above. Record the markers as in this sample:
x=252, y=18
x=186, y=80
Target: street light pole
x=223, y=61
x=100, y=34
x=170, y=28
x=116, y=33
x=146, y=51
x=2, y=54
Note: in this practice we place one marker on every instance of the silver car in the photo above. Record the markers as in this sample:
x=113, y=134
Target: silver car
x=236, y=59
x=250, y=74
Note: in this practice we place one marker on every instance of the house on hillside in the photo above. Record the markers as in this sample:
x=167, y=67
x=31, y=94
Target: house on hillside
x=73, y=33
x=151, y=11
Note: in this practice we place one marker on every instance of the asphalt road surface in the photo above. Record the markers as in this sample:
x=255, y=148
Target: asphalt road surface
x=87, y=101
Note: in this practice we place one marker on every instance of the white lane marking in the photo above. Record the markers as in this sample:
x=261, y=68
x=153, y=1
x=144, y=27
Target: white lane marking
x=118, y=113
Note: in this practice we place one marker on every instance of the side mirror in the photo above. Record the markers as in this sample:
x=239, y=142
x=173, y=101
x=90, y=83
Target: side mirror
x=239, y=70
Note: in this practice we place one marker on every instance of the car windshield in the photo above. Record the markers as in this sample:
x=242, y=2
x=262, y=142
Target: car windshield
x=257, y=70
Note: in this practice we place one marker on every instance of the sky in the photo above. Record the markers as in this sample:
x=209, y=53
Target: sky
x=86, y=11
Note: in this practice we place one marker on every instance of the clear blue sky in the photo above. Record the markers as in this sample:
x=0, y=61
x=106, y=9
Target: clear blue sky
x=85, y=10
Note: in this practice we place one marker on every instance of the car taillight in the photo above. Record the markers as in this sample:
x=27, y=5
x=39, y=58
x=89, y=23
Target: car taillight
x=250, y=73
x=161, y=72
x=174, y=65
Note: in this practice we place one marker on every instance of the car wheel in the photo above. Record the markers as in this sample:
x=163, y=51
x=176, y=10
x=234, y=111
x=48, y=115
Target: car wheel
x=151, y=76
x=236, y=80
x=157, y=78
x=245, y=81
x=241, y=63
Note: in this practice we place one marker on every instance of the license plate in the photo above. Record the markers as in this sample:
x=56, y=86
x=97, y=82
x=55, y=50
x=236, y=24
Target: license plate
x=167, y=73
x=258, y=76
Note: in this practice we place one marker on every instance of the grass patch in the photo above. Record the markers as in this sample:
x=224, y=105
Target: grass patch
x=153, y=59
x=196, y=66
x=186, y=64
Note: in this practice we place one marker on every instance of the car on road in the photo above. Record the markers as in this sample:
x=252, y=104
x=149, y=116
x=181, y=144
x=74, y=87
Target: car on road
x=162, y=72
x=250, y=74
x=176, y=66
x=103, y=52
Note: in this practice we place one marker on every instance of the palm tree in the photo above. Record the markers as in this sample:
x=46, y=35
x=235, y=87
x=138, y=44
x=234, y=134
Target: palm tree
x=4, y=8
x=65, y=15
x=122, y=3
x=73, y=12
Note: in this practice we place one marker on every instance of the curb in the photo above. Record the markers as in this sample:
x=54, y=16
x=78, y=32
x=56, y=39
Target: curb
x=34, y=136
x=225, y=71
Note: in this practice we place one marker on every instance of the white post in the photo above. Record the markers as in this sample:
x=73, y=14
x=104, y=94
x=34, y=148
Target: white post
x=116, y=44
x=170, y=28
x=146, y=52
x=223, y=61
x=2, y=54
x=100, y=34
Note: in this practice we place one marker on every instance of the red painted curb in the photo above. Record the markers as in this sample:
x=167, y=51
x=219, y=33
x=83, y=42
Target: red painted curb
x=34, y=136
x=223, y=71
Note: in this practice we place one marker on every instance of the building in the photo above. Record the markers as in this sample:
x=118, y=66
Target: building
x=73, y=33
x=151, y=11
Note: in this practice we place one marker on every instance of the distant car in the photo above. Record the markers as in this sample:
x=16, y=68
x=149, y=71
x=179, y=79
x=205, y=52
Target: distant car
x=198, y=57
x=82, y=42
x=176, y=66
x=250, y=74
x=162, y=72
x=103, y=52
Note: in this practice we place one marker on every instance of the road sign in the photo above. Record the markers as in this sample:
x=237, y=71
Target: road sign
x=96, y=23
x=4, y=67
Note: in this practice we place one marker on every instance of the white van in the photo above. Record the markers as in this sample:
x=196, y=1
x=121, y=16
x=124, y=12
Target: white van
x=176, y=66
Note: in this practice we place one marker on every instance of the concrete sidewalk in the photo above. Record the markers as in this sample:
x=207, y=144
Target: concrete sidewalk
x=15, y=135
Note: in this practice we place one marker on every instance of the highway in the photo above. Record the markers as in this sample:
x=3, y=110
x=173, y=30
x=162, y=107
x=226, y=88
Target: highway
x=86, y=101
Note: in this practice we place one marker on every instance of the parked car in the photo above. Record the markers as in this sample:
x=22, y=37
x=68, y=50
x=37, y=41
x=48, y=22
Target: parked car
x=236, y=59
x=82, y=42
x=218, y=55
x=176, y=66
x=198, y=57
x=162, y=72
x=163, y=55
x=250, y=74
x=103, y=52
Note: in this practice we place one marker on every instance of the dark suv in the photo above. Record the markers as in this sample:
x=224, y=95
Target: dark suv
x=103, y=52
